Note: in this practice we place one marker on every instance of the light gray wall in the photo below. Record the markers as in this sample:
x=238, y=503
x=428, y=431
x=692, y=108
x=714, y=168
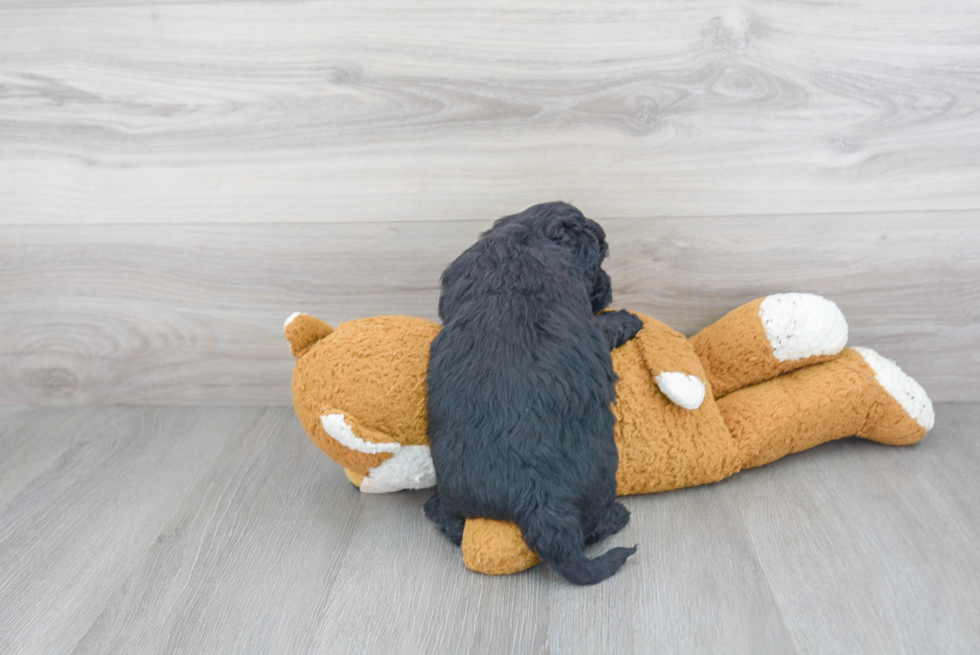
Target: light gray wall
x=176, y=178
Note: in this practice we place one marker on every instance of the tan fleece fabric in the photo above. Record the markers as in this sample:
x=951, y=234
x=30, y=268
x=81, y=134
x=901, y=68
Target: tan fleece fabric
x=736, y=353
x=665, y=350
x=496, y=548
x=351, y=459
x=661, y=445
x=813, y=405
x=304, y=331
x=355, y=478
x=372, y=371
x=792, y=412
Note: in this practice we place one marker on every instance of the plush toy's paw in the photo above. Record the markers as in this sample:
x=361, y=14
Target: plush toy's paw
x=802, y=325
x=907, y=393
x=410, y=467
x=684, y=390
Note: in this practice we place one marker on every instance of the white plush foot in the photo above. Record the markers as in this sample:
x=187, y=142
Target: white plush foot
x=410, y=468
x=801, y=325
x=900, y=386
x=684, y=390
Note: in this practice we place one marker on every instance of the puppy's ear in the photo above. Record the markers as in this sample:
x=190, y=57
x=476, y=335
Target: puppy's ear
x=585, y=238
x=458, y=281
x=601, y=295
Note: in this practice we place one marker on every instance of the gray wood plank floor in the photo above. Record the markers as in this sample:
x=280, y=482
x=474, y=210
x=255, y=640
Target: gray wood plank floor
x=223, y=530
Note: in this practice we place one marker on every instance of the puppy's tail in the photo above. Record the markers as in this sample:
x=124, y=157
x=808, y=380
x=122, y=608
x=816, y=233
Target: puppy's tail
x=560, y=543
x=302, y=331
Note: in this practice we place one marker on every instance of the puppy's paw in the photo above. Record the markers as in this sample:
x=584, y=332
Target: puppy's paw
x=614, y=520
x=619, y=327
x=631, y=325
x=449, y=524
x=684, y=390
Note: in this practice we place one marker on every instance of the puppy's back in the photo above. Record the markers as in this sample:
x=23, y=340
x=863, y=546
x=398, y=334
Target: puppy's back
x=520, y=386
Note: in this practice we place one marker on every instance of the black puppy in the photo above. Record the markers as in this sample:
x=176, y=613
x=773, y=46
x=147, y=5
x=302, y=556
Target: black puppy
x=520, y=384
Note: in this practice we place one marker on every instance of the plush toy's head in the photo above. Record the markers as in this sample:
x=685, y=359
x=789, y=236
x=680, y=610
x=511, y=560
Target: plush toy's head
x=359, y=391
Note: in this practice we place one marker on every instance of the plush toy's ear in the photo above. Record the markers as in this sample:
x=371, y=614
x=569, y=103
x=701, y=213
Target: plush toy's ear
x=302, y=331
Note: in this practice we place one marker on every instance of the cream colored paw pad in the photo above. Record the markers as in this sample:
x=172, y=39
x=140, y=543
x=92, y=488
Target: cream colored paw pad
x=684, y=390
x=802, y=325
x=900, y=386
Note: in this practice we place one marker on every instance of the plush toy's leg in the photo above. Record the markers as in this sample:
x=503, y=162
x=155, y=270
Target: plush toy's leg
x=859, y=393
x=769, y=336
x=496, y=548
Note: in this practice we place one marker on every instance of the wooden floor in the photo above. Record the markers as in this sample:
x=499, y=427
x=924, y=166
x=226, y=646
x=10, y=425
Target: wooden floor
x=223, y=530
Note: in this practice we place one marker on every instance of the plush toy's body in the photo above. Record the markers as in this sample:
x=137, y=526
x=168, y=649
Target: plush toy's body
x=770, y=378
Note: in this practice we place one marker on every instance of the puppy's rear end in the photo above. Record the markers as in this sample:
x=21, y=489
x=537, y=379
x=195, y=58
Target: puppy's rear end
x=520, y=386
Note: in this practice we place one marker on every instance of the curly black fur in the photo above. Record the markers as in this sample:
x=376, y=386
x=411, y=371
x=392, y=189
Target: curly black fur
x=520, y=384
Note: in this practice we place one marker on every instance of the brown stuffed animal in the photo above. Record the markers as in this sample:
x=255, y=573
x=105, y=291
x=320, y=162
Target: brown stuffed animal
x=768, y=379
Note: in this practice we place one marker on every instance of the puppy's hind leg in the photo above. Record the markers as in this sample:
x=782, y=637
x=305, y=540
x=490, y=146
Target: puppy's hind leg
x=611, y=520
x=449, y=524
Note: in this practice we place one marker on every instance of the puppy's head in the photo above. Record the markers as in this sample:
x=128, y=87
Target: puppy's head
x=564, y=225
x=586, y=240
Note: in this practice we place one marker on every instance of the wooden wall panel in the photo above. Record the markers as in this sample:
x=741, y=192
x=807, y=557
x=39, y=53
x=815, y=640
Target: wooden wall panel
x=159, y=314
x=176, y=177
x=232, y=112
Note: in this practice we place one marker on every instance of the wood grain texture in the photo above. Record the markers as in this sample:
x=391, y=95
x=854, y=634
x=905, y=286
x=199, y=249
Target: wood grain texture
x=152, y=112
x=83, y=503
x=859, y=534
x=224, y=530
x=193, y=313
